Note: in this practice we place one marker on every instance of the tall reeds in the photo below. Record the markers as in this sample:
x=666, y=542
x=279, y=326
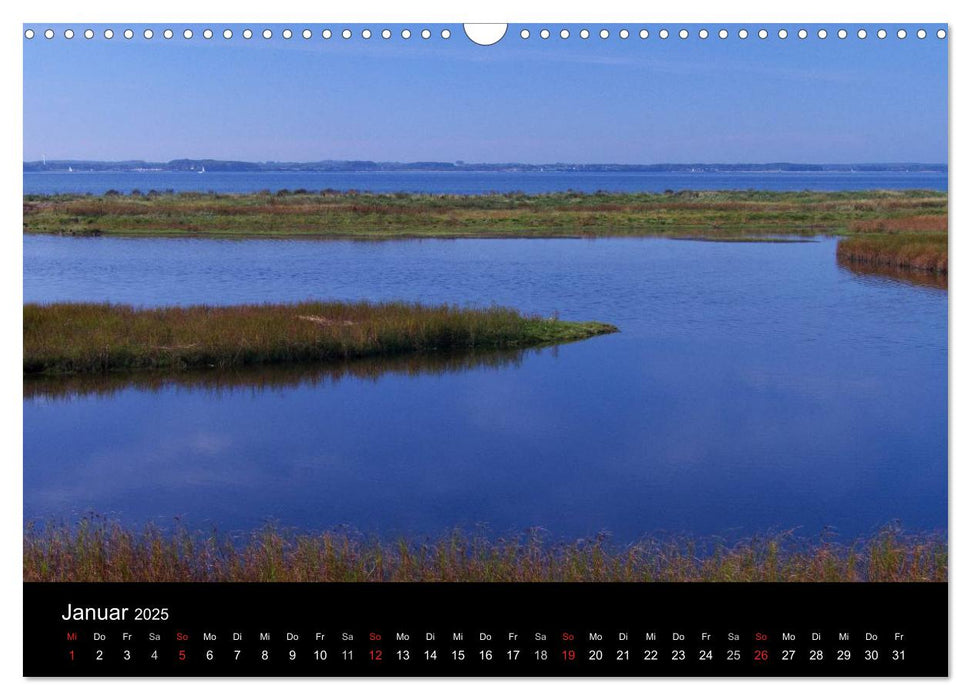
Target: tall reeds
x=98, y=550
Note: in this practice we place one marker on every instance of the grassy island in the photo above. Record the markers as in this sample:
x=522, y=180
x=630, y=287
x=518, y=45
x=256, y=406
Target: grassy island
x=352, y=214
x=98, y=338
x=96, y=550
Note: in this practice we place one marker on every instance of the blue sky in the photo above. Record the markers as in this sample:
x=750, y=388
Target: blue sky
x=534, y=100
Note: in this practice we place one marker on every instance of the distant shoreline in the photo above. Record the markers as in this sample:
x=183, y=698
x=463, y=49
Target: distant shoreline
x=362, y=166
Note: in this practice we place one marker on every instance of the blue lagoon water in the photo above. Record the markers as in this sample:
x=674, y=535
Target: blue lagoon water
x=753, y=386
x=475, y=182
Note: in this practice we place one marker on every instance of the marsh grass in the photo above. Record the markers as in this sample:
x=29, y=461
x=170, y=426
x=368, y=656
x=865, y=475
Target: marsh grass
x=101, y=338
x=909, y=251
x=99, y=550
x=353, y=214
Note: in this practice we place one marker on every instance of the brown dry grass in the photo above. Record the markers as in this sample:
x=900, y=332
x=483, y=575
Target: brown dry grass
x=915, y=251
x=905, y=224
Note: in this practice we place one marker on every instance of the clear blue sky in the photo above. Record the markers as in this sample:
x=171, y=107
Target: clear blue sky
x=593, y=100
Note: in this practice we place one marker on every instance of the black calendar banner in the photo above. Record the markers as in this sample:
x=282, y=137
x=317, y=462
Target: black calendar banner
x=429, y=629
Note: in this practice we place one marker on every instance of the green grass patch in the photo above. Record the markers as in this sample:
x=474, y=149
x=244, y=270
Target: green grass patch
x=98, y=338
x=97, y=550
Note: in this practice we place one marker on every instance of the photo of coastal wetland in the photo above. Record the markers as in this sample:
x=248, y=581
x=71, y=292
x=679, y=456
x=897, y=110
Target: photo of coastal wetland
x=412, y=309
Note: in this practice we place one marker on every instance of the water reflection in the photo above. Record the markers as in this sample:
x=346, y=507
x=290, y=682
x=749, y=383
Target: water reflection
x=918, y=278
x=271, y=377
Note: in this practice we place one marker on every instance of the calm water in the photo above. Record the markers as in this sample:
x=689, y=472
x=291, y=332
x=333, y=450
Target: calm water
x=753, y=386
x=475, y=182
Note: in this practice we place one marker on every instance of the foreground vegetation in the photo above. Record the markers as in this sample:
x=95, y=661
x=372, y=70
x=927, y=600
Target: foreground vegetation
x=96, y=550
x=98, y=338
x=726, y=214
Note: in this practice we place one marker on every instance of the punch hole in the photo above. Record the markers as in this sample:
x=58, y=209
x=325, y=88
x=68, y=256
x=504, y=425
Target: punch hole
x=683, y=34
x=702, y=33
x=287, y=34
x=49, y=34
x=941, y=33
x=446, y=33
x=489, y=34
x=743, y=33
x=247, y=33
x=187, y=34
x=68, y=33
x=564, y=33
x=128, y=34
x=327, y=34
x=385, y=33
x=227, y=34
x=29, y=34
x=168, y=34
x=921, y=33
x=366, y=34
x=763, y=34
x=643, y=34
x=861, y=33
x=802, y=34
x=783, y=34
x=89, y=34
x=425, y=34
x=604, y=34
x=148, y=33
x=821, y=34
x=267, y=34
x=624, y=33
x=306, y=33
x=841, y=33
x=881, y=34
x=722, y=33
x=346, y=34
x=584, y=33
x=207, y=34
x=524, y=34
x=663, y=34
x=901, y=33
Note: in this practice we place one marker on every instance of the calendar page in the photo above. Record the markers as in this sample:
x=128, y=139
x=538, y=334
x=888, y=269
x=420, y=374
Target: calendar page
x=491, y=350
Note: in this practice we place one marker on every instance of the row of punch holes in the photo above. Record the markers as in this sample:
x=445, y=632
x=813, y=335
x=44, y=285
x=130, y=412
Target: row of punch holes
x=447, y=33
